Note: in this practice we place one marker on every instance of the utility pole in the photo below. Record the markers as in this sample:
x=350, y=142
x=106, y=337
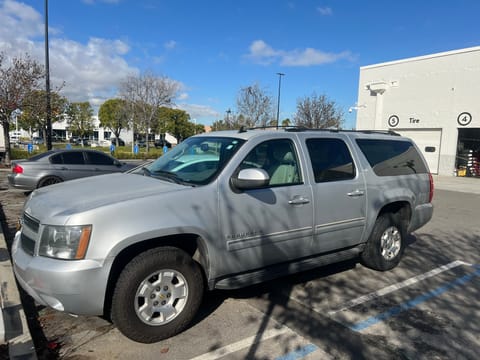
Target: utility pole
x=278, y=101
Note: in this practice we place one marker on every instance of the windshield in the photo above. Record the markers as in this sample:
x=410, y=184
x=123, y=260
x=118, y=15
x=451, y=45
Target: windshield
x=196, y=161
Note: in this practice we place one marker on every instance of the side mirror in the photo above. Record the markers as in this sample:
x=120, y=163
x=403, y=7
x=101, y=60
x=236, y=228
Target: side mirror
x=250, y=179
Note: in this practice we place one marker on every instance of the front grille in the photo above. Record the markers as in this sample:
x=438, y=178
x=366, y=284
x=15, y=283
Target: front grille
x=31, y=222
x=28, y=238
x=28, y=245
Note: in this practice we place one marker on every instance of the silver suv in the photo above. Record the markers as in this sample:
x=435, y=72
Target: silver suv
x=219, y=211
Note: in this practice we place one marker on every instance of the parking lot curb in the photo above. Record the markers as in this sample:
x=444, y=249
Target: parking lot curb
x=14, y=329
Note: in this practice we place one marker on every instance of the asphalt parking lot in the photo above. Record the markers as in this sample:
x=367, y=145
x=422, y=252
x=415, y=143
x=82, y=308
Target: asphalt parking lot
x=426, y=308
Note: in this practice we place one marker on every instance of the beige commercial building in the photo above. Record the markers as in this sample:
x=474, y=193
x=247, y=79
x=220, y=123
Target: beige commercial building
x=433, y=99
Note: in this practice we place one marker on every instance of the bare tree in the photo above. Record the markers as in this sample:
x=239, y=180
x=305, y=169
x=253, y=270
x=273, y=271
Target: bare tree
x=318, y=112
x=145, y=94
x=17, y=79
x=255, y=105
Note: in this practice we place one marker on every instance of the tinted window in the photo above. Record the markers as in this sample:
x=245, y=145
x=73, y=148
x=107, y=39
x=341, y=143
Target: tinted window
x=331, y=160
x=392, y=157
x=73, y=158
x=56, y=159
x=99, y=159
x=278, y=158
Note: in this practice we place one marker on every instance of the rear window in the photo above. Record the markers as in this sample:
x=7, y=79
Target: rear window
x=392, y=157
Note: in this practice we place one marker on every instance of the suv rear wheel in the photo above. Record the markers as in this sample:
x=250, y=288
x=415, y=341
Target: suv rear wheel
x=157, y=295
x=386, y=244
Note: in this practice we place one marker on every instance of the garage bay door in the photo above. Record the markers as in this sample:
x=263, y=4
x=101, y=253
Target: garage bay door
x=428, y=142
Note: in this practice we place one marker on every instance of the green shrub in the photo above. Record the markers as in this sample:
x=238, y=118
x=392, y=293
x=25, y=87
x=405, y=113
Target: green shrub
x=123, y=153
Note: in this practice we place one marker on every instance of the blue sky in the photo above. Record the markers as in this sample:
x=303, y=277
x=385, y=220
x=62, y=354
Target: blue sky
x=214, y=48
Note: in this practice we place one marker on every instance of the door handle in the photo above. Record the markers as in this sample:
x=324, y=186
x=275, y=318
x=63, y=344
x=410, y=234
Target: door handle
x=299, y=200
x=355, y=193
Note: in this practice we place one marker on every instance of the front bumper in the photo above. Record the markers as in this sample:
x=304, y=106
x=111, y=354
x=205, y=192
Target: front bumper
x=76, y=286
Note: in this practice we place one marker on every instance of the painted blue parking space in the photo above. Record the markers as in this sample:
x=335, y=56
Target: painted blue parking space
x=368, y=310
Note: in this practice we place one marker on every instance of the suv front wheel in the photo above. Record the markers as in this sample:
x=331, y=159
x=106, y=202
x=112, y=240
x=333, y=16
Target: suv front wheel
x=157, y=295
x=386, y=244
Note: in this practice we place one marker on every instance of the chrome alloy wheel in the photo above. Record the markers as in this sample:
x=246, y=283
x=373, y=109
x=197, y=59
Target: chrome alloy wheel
x=391, y=242
x=161, y=297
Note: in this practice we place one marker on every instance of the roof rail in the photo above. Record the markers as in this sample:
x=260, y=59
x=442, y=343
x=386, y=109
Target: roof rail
x=295, y=128
x=386, y=132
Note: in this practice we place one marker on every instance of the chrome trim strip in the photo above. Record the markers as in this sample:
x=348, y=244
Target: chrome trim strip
x=341, y=222
x=268, y=239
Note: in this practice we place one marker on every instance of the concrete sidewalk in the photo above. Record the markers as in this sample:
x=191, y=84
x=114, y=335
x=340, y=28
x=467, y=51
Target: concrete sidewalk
x=13, y=327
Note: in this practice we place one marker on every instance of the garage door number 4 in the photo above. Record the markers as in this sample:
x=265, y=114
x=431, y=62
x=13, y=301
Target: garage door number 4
x=464, y=119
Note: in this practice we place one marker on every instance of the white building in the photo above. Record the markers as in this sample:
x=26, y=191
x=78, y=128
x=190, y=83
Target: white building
x=60, y=128
x=432, y=99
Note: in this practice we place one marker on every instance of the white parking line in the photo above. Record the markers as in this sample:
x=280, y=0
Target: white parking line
x=397, y=286
x=242, y=344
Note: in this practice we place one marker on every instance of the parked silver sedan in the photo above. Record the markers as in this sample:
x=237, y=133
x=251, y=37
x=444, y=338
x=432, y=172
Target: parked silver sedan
x=57, y=166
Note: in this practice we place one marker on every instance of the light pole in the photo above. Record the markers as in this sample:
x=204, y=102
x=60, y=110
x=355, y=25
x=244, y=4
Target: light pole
x=15, y=113
x=278, y=101
x=228, y=117
x=47, y=82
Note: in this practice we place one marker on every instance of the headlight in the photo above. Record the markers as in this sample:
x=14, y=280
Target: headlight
x=65, y=242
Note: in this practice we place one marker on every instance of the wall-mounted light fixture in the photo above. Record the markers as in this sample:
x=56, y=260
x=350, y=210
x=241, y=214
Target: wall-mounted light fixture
x=356, y=107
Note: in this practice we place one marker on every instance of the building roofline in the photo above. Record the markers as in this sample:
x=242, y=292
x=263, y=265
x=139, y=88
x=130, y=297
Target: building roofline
x=424, y=57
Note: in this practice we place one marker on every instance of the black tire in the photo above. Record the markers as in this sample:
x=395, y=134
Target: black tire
x=49, y=180
x=161, y=272
x=386, y=244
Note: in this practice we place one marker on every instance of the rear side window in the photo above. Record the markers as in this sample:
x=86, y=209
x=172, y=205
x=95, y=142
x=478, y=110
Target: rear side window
x=99, y=159
x=331, y=160
x=68, y=157
x=392, y=157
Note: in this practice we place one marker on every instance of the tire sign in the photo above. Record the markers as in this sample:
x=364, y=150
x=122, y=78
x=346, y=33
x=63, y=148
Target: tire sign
x=464, y=119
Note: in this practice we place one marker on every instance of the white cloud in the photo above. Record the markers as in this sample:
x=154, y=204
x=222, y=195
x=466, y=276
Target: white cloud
x=264, y=54
x=91, y=71
x=183, y=96
x=309, y=57
x=199, y=112
x=19, y=21
x=325, y=11
x=261, y=52
x=170, y=44
x=91, y=2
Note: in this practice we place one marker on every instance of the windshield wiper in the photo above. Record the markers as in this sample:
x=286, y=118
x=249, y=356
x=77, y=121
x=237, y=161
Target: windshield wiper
x=146, y=171
x=172, y=177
